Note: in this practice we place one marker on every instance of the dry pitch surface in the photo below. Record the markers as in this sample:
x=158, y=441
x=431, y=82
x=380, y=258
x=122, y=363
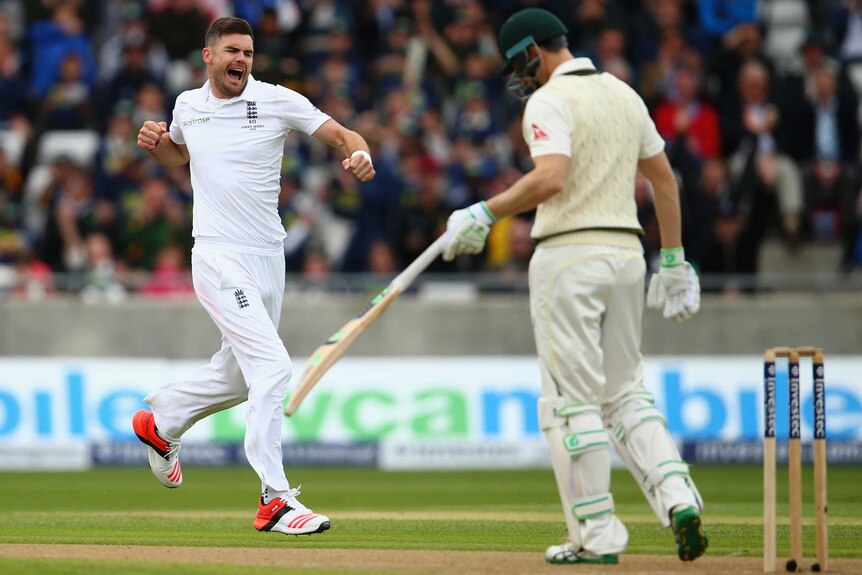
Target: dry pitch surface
x=420, y=562
x=393, y=561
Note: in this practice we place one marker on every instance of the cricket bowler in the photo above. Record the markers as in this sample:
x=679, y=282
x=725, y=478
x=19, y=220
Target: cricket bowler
x=231, y=131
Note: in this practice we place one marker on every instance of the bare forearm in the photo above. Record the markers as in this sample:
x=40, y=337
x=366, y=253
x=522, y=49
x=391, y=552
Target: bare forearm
x=153, y=137
x=524, y=195
x=350, y=142
x=668, y=213
x=168, y=153
x=666, y=198
x=533, y=188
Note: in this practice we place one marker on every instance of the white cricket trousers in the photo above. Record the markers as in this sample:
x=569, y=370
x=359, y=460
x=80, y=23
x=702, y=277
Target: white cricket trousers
x=587, y=304
x=242, y=292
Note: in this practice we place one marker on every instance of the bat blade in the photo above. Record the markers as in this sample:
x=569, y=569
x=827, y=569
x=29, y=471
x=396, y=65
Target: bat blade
x=333, y=348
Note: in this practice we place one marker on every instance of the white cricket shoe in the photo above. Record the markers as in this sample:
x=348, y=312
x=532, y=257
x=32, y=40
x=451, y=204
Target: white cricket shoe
x=163, y=456
x=288, y=515
x=567, y=554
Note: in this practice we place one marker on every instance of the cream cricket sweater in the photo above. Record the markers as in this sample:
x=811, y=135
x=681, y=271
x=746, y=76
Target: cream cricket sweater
x=604, y=127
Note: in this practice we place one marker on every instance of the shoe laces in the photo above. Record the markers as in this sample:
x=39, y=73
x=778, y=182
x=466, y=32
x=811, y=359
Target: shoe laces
x=291, y=498
x=173, y=450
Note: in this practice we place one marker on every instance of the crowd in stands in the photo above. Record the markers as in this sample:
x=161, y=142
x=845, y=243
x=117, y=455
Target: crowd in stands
x=758, y=101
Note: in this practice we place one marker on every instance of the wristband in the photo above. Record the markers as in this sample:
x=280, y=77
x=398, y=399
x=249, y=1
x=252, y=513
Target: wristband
x=362, y=153
x=671, y=257
x=480, y=211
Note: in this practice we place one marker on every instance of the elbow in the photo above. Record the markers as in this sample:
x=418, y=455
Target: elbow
x=550, y=187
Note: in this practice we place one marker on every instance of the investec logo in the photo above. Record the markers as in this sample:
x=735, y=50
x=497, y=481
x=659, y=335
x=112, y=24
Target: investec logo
x=195, y=122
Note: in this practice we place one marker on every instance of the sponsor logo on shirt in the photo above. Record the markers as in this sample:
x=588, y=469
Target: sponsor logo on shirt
x=241, y=299
x=538, y=133
x=195, y=122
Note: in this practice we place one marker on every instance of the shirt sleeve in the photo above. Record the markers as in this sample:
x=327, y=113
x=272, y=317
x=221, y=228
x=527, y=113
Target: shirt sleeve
x=651, y=143
x=298, y=113
x=548, y=125
x=176, y=129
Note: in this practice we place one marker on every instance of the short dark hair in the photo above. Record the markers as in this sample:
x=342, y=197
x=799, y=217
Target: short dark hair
x=227, y=25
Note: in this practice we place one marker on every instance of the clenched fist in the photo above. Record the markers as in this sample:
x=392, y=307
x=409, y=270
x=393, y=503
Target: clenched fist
x=150, y=134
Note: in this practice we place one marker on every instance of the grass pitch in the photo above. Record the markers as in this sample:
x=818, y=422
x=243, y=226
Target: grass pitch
x=487, y=511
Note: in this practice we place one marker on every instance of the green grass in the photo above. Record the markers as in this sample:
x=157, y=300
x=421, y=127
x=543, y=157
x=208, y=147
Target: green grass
x=75, y=567
x=215, y=508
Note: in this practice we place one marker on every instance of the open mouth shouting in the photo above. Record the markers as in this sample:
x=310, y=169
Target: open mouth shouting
x=235, y=75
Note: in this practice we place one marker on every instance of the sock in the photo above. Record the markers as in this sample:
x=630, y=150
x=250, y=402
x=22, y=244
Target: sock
x=270, y=494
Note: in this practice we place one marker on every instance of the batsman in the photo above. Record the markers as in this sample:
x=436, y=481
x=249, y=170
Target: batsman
x=589, y=133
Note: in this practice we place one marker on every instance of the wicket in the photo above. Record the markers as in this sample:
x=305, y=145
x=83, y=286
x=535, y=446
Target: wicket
x=794, y=458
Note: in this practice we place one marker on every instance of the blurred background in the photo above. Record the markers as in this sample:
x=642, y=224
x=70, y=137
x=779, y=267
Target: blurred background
x=758, y=101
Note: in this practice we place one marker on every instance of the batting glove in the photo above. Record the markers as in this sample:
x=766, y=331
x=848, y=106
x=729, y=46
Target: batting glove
x=675, y=288
x=467, y=230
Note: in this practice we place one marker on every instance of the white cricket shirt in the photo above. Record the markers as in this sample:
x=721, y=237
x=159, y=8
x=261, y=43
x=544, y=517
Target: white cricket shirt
x=604, y=127
x=235, y=149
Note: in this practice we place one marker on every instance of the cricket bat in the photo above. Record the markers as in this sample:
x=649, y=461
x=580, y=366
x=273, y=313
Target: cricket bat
x=333, y=348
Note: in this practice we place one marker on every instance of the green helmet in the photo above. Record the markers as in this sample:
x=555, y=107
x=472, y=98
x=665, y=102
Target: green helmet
x=529, y=26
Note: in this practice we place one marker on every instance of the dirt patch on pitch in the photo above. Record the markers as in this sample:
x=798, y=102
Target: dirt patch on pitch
x=389, y=561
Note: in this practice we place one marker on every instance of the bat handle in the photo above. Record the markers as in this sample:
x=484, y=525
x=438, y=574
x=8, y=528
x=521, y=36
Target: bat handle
x=406, y=277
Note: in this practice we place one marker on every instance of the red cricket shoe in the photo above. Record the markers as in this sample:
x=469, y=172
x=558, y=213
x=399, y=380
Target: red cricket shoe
x=163, y=456
x=288, y=515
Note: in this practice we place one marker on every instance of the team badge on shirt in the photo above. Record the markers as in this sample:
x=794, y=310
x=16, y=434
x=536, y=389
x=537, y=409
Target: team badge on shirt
x=241, y=299
x=251, y=116
x=538, y=133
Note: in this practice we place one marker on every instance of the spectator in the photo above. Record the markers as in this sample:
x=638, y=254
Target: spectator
x=589, y=18
x=846, y=19
x=424, y=213
x=762, y=171
x=827, y=127
x=686, y=120
x=718, y=18
x=14, y=107
x=149, y=103
x=12, y=239
x=34, y=277
x=611, y=47
x=131, y=76
x=316, y=269
x=521, y=247
x=155, y=219
x=75, y=213
x=180, y=26
x=50, y=41
x=320, y=19
x=11, y=181
x=743, y=44
x=171, y=277
x=381, y=260
x=716, y=220
x=101, y=281
x=474, y=118
x=69, y=102
x=829, y=130
x=118, y=160
x=287, y=13
x=131, y=30
x=658, y=76
x=271, y=49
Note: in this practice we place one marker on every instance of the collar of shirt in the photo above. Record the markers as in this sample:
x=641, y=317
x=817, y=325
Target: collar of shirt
x=573, y=65
x=250, y=93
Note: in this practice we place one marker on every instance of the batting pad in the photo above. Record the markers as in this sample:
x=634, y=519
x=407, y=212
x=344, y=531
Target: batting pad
x=578, y=445
x=642, y=441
